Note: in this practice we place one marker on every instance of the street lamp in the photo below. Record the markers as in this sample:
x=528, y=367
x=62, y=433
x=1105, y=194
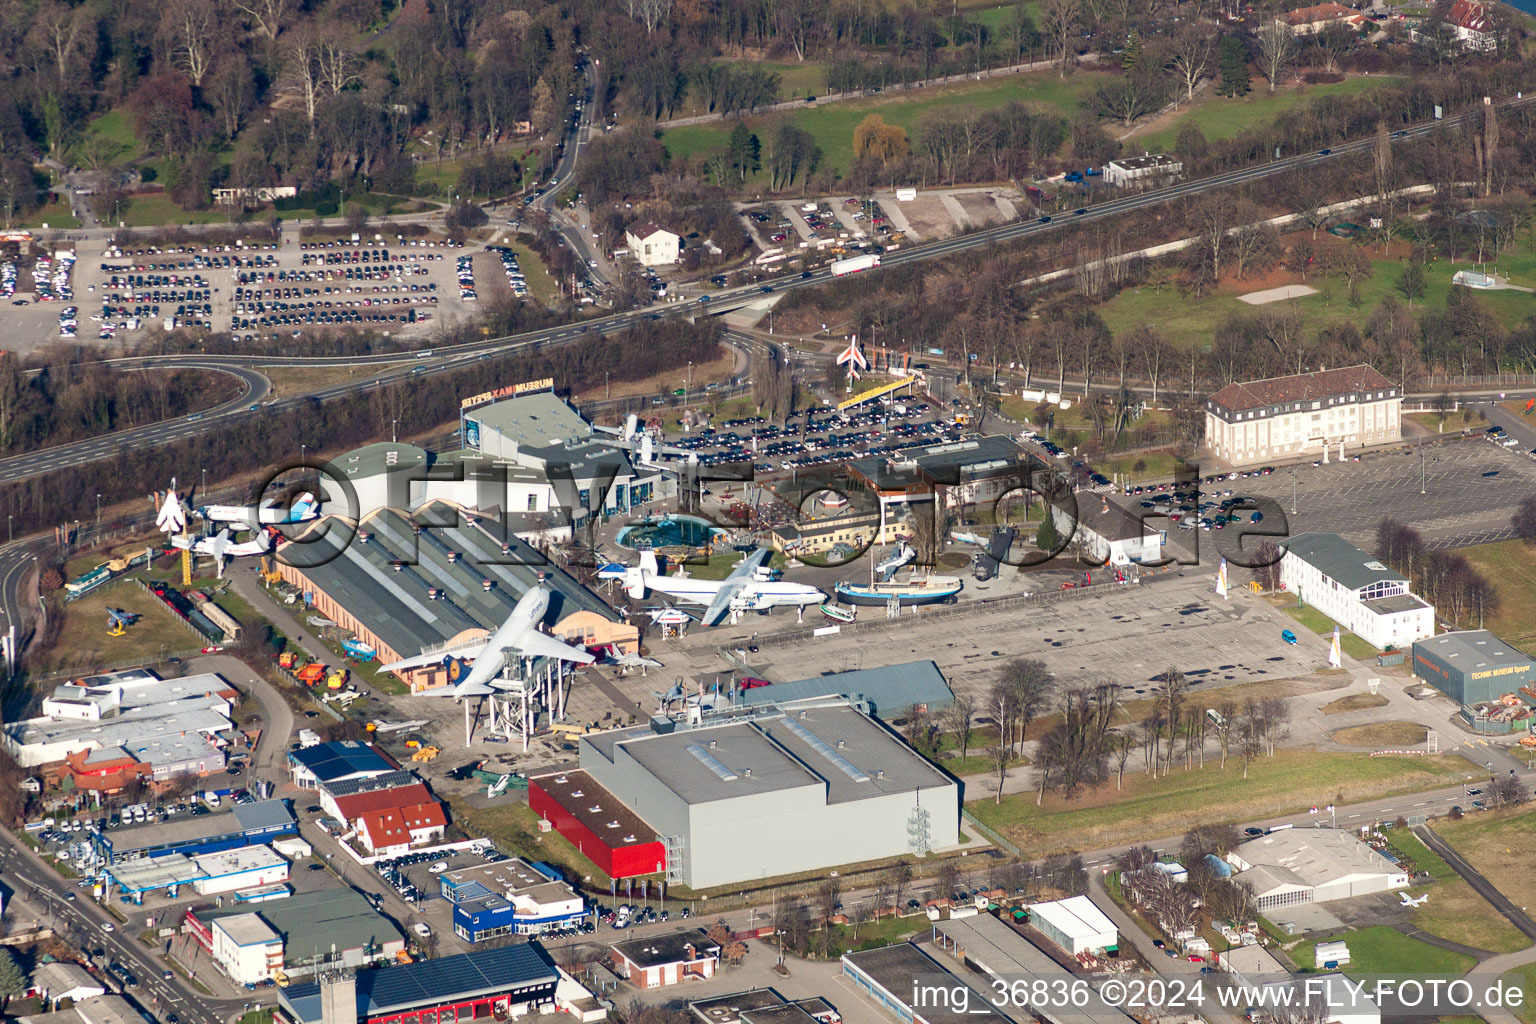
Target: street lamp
x=690, y=375
x=10, y=527
x=1293, y=490
x=98, y=509
x=205, y=482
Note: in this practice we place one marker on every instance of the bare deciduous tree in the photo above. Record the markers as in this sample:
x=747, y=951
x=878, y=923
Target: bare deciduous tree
x=1277, y=50
x=1059, y=23
x=1191, y=55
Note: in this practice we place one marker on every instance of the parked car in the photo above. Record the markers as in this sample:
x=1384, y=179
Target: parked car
x=1288, y=636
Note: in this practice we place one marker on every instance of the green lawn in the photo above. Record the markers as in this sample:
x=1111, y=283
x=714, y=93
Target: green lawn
x=997, y=17
x=1317, y=622
x=833, y=124
x=1148, y=808
x=55, y=214
x=1511, y=567
x=1383, y=950
x=540, y=285
x=1525, y=977
x=1188, y=320
x=115, y=127
x=1310, y=617
x=796, y=81
x=154, y=210
x=886, y=931
x=1222, y=118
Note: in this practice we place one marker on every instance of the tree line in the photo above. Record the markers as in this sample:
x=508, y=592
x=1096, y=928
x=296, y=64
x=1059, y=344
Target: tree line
x=417, y=404
x=1446, y=579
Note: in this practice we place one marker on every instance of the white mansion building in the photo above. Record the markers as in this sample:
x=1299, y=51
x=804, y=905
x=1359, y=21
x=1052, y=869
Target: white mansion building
x=1252, y=421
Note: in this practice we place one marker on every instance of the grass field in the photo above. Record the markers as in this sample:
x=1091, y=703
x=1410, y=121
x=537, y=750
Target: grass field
x=1525, y=977
x=1381, y=734
x=1384, y=950
x=1510, y=566
x=796, y=81
x=116, y=127
x=1457, y=913
x=1193, y=321
x=833, y=125
x=884, y=932
x=540, y=285
x=152, y=210
x=1149, y=808
x=1354, y=702
x=1223, y=117
x=84, y=641
x=56, y=214
x=1499, y=844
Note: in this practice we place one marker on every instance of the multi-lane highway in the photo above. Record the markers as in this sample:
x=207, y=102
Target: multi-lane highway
x=452, y=357
x=86, y=922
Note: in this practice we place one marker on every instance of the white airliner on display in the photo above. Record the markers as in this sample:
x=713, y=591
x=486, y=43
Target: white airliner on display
x=222, y=547
x=518, y=636
x=747, y=588
x=1414, y=901
x=270, y=513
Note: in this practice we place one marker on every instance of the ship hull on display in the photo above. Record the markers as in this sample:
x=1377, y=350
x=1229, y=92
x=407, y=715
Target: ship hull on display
x=919, y=591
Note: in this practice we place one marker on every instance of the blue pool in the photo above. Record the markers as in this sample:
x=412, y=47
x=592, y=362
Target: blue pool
x=668, y=532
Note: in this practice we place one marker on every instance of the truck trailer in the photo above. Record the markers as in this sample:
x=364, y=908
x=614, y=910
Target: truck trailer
x=854, y=264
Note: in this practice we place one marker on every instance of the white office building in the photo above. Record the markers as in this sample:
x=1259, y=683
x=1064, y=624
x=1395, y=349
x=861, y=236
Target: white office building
x=246, y=948
x=1254, y=421
x=1355, y=590
x=1146, y=171
x=247, y=867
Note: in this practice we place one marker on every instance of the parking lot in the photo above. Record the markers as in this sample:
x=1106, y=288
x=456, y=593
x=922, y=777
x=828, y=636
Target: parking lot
x=287, y=289
x=806, y=441
x=1471, y=489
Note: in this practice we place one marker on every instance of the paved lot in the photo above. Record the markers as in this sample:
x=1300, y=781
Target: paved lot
x=1471, y=490
x=1123, y=634
x=29, y=327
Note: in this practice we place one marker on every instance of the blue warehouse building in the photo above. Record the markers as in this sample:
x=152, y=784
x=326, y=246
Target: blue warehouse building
x=194, y=835
x=337, y=762
x=509, y=897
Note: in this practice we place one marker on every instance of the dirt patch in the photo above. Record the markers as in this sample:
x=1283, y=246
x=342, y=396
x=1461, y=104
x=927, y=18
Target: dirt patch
x=1354, y=702
x=1285, y=291
x=491, y=278
x=929, y=218
x=982, y=208
x=1381, y=734
x=301, y=380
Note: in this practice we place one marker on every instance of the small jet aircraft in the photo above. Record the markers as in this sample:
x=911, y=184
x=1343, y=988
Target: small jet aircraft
x=222, y=547
x=676, y=694
x=118, y=621
x=743, y=590
x=1414, y=901
x=270, y=513
x=518, y=636
x=613, y=656
x=170, y=517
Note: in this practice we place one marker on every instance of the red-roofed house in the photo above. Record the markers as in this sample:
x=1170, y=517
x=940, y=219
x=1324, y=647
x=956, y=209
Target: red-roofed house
x=105, y=770
x=1474, y=23
x=393, y=832
x=356, y=806
x=1311, y=20
x=1253, y=421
